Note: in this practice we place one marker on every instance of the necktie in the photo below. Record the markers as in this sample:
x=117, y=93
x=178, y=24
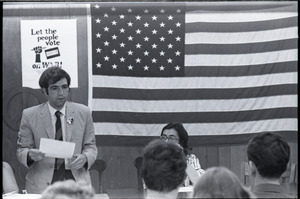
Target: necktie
x=58, y=136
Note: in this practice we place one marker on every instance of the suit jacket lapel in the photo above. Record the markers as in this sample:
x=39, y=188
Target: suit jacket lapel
x=47, y=121
x=69, y=126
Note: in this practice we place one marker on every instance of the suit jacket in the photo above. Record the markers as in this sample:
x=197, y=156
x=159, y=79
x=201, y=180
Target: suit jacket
x=36, y=124
x=268, y=190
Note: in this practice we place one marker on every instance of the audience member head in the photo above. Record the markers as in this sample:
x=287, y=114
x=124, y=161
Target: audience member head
x=51, y=76
x=175, y=132
x=68, y=189
x=270, y=155
x=220, y=182
x=163, y=168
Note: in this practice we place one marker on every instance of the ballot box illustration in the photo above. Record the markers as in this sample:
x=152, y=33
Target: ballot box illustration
x=52, y=52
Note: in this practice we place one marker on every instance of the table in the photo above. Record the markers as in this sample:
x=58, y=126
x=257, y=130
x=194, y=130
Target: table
x=38, y=196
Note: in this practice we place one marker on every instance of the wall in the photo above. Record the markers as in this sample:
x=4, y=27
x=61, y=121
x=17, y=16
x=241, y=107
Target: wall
x=120, y=172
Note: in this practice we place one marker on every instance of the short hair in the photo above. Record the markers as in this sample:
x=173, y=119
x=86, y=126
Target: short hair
x=182, y=133
x=270, y=153
x=52, y=75
x=220, y=182
x=70, y=189
x=164, y=165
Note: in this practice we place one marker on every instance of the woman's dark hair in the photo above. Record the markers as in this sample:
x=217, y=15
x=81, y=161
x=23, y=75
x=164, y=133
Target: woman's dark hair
x=182, y=133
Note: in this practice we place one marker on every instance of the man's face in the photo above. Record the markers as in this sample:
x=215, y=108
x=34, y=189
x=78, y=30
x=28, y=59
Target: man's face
x=58, y=93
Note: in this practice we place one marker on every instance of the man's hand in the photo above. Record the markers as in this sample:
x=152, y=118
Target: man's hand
x=79, y=162
x=36, y=155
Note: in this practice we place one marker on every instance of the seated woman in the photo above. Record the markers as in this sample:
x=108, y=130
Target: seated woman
x=176, y=133
x=9, y=183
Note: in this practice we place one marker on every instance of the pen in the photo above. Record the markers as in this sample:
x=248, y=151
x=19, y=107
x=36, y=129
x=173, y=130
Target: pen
x=7, y=194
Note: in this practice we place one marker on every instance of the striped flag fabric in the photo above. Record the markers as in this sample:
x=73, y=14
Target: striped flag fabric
x=226, y=69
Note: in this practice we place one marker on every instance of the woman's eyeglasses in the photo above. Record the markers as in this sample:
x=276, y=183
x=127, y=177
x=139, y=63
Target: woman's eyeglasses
x=171, y=137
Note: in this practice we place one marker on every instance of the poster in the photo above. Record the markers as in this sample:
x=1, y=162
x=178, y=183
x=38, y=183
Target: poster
x=48, y=43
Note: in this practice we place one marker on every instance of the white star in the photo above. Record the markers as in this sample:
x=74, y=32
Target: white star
x=177, y=53
x=154, y=18
x=114, y=23
x=146, y=38
x=122, y=45
x=161, y=68
x=146, y=11
x=153, y=60
x=138, y=31
x=178, y=24
x=113, y=9
x=162, y=53
x=105, y=15
x=154, y=46
x=114, y=37
x=170, y=17
x=98, y=35
x=178, y=38
x=146, y=53
x=106, y=58
x=178, y=11
x=154, y=32
x=106, y=29
x=129, y=10
x=130, y=52
x=138, y=45
x=98, y=20
x=170, y=46
x=146, y=67
x=177, y=68
x=122, y=30
x=99, y=65
x=162, y=24
x=130, y=67
x=138, y=60
x=122, y=59
x=97, y=6
x=122, y=16
x=130, y=38
x=138, y=17
x=114, y=51
x=170, y=60
x=146, y=24
x=130, y=23
x=162, y=11
x=170, y=31
x=162, y=39
x=98, y=50
x=114, y=66
x=106, y=43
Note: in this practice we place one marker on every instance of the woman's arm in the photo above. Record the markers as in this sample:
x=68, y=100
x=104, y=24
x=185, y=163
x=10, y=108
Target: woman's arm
x=9, y=180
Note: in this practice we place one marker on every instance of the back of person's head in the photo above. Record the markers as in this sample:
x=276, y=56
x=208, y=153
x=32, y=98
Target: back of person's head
x=52, y=75
x=68, y=189
x=220, y=182
x=270, y=153
x=163, y=167
x=182, y=133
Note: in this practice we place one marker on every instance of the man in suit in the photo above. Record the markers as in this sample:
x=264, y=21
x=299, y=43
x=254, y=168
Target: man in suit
x=268, y=156
x=61, y=120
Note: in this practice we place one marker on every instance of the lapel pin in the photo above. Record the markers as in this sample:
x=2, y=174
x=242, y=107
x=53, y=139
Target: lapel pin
x=70, y=120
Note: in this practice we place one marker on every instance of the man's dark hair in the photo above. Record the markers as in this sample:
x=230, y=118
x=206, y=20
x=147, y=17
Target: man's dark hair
x=270, y=153
x=182, y=133
x=51, y=76
x=164, y=165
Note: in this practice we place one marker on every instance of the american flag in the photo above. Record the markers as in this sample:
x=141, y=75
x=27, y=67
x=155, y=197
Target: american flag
x=220, y=68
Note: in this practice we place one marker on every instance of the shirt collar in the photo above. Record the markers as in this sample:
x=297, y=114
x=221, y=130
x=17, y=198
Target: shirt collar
x=53, y=110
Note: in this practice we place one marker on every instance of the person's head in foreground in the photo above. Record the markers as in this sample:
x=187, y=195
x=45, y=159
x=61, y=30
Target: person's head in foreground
x=68, y=189
x=220, y=182
x=163, y=169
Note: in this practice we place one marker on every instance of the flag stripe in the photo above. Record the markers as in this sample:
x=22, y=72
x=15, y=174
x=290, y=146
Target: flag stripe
x=241, y=48
x=242, y=26
x=195, y=82
x=241, y=37
x=235, y=71
x=149, y=106
x=196, y=129
x=192, y=117
x=185, y=94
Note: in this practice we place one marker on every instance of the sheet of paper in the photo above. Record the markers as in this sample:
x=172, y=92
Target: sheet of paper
x=56, y=148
